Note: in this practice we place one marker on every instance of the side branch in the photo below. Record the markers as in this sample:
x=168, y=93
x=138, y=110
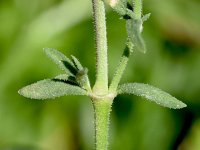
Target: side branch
x=121, y=67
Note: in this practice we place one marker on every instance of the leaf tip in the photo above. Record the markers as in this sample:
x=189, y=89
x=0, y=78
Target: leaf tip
x=144, y=51
x=146, y=17
x=46, y=50
x=28, y=92
x=180, y=105
x=19, y=91
x=23, y=92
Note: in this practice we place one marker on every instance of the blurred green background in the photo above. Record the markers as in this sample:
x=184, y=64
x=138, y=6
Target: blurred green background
x=172, y=63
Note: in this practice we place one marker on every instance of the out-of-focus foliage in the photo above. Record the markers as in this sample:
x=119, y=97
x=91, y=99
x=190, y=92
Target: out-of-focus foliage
x=172, y=63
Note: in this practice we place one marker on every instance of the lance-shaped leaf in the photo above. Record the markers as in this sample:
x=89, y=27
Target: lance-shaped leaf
x=77, y=63
x=82, y=74
x=50, y=88
x=151, y=93
x=61, y=60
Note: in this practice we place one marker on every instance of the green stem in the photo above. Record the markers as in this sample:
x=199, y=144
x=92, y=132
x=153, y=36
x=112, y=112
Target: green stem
x=102, y=108
x=101, y=84
x=120, y=69
x=138, y=9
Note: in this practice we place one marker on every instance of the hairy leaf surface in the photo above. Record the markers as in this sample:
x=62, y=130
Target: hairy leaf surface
x=61, y=60
x=63, y=77
x=50, y=88
x=77, y=63
x=151, y=93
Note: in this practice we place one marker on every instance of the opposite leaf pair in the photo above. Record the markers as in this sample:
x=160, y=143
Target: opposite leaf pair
x=75, y=82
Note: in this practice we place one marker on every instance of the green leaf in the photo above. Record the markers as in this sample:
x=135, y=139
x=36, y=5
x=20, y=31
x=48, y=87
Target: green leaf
x=61, y=60
x=134, y=30
x=77, y=63
x=146, y=17
x=50, y=88
x=83, y=80
x=151, y=93
x=66, y=79
x=63, y=77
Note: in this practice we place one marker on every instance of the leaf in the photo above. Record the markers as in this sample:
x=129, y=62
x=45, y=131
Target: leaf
x=134, y=30
x=63, y=77
x=151, y=93
x=146, y=17
x=77, y=63
x=66, y=79
x=82, y=74
x=50, y=88
x=83, y=80
x=61, y=60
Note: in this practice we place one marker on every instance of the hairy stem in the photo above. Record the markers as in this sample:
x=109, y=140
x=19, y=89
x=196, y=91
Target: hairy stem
x=101, y=84
x=102, y=108
x=138, y=8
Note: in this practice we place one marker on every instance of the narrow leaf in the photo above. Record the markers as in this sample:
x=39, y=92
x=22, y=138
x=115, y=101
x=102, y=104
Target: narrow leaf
x=61, y=60
x=151, y=93
x=50, y=88
x=77, y=63
x=63, y=77
x=82, y=74
x=83, y=80
x=146, y=17
x=134, y=30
